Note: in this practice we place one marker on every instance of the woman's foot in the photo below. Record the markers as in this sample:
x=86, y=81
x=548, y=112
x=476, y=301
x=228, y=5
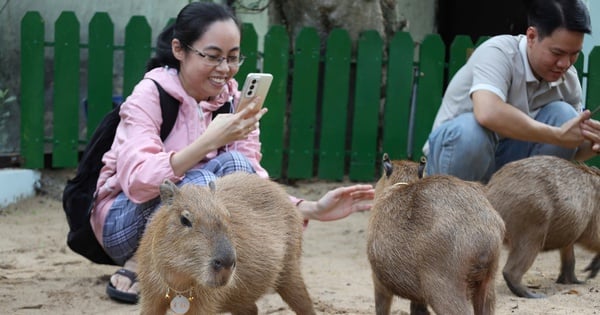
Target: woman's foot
x=123, y=285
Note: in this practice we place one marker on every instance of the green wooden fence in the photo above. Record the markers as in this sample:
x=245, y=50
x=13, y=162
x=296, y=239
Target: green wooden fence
x=331, y=115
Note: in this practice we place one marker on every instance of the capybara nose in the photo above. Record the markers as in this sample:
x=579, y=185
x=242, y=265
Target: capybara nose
x=225, y=262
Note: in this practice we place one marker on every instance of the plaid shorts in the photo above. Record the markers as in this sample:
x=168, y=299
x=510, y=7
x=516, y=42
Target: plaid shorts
x=126, y=220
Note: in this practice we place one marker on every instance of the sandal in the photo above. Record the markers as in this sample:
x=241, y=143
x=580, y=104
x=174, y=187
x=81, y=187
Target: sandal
x=120, y=296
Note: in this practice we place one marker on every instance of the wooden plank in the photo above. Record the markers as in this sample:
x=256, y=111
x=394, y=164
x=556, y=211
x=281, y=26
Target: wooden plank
x=367, y=101
x=460, y=50
x=66, y=91
x=430, y=89
x=272, y=125
x=334, y=109
x=249, y=48
x=592, y=99
x=398, y=96
x=32, y=90
x=100, y=70
x=303, y=108
x=138, y=48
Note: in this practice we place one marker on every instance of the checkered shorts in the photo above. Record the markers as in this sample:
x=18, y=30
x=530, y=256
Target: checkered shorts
x=126, y=220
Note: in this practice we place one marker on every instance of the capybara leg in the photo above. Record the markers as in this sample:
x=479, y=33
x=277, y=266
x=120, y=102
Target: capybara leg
x=293, y=291
x=449, y=298
x=250, y=310
x=383, y=298
x=520, y=258
x=418, y=308
x=593, y=267
x=484, y=298
x=567, y=266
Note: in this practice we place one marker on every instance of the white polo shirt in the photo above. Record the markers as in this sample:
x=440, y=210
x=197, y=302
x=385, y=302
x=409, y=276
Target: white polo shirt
x=500, y=65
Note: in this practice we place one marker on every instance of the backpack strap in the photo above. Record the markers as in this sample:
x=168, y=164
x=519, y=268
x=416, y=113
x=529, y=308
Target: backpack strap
x=169, y=106
x=226, y=108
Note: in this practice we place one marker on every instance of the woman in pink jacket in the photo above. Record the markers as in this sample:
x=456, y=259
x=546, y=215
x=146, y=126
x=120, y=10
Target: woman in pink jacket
x=195, y=62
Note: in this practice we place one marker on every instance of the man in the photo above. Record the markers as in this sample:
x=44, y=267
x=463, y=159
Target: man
x=517, y=96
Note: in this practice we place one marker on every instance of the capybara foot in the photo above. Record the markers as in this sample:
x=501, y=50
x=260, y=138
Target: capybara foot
x=593, y=267
x=568, y=279
x=519, y=290
x=418, y=309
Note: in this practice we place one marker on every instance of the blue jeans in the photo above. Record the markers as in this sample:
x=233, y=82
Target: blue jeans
x=463, y=148
x=126, y=221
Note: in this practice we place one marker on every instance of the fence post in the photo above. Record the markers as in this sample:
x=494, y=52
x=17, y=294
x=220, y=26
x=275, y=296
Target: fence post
x=32, y=90
x=334, y=107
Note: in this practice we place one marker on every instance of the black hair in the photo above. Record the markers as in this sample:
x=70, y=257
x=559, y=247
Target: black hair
x=191, y=24
x=548, y=15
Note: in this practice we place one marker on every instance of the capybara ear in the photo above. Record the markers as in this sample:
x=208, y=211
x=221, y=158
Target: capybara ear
x=387, y=165
x=212, y=186
x=167, y=191
x=422, y=163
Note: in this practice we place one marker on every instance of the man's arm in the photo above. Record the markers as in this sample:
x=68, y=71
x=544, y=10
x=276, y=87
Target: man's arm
x=508, y=121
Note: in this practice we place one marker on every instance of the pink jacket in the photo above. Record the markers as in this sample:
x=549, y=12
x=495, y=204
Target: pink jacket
x=139, y=155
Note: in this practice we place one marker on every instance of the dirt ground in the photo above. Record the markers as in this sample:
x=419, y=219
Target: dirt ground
x=39, y=274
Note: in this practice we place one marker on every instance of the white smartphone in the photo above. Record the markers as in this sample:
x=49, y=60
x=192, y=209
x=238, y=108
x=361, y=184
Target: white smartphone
x=256, y=84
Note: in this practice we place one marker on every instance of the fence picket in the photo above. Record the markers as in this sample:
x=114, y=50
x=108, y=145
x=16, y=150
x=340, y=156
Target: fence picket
x=334, y=106
x=32, y=90
x=592, y=99
x=66, y=91
x=399, y=85
x=273, y=124
x=430, y=87
x=249, y=48
x=367, y=102
x=303, y=107
x=460, y=50
x=138, y=48
x=100, y=70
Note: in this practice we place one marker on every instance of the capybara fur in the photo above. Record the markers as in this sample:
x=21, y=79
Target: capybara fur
x=547, y=203
x=435, y=241
x=223, y=247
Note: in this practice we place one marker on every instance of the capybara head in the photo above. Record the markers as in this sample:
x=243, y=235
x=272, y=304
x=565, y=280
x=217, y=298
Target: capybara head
x=398, y=171
x=191, y=235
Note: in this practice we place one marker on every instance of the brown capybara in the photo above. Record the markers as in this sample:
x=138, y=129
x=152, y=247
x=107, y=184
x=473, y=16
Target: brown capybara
x=218, y=249
x=547, y=203
x=435, y=241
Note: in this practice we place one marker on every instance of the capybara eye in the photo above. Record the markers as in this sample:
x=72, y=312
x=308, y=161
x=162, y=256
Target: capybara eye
x=185, y=221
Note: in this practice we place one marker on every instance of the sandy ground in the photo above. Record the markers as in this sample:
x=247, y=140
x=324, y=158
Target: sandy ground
x=40, y=275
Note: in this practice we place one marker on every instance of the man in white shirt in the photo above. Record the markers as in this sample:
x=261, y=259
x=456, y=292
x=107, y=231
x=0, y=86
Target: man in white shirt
x=517, y=96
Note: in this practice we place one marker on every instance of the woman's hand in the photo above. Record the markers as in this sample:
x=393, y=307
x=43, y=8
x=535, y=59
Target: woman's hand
x=224, y=129
x=339, y=203
x=227, y=128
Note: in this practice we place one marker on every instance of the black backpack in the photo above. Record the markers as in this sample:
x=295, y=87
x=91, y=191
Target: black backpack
x=78, y=195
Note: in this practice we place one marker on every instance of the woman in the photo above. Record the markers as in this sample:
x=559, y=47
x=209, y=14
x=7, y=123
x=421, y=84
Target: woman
x=195, y=62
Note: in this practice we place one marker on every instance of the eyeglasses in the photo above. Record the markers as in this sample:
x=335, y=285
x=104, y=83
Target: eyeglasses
x=215, y=61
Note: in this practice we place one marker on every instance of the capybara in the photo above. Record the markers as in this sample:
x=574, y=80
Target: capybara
x=547, y=203
x=435, y=241
x=219, y=248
